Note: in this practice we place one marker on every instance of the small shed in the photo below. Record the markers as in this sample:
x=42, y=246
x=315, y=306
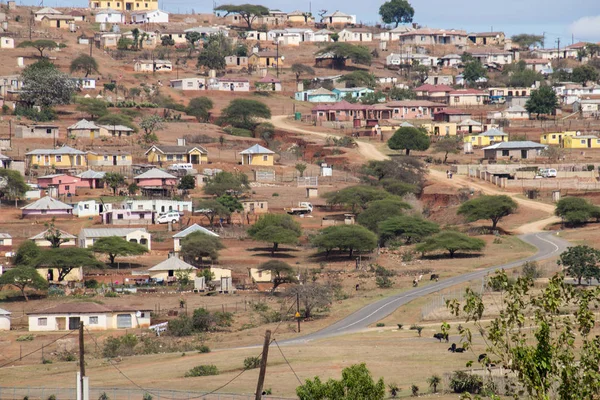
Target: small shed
x=312, y=192
x=4, y=320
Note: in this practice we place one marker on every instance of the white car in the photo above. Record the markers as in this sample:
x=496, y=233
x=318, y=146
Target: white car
x=171, y=216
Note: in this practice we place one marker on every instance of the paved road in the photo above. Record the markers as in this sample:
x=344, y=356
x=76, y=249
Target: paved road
x=548, y=245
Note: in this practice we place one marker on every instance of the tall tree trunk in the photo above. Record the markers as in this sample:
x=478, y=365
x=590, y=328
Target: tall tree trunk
x=451, y=253
x=351, y=251
x=407, y=152
x=24, y=294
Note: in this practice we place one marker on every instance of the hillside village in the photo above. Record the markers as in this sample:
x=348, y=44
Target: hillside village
x=176, y=183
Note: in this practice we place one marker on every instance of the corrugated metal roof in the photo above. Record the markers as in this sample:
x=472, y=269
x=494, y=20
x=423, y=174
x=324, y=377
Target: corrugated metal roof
x=47, y=203
x=172, y=263
x=107, y=232
x=60, y=151
x=257, y=149
x=91, y=174
x=5, y=236
x=84, y=124
x=515, y=145
x=155, y=173
x=192, y=229
x=63, y=234
x=4, y=312
x=493, y=132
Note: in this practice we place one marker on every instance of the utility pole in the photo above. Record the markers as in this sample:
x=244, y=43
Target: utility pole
x=277, y=59
x=81, y=359
x=298, y=310
x=263, y=366
x=558, y=48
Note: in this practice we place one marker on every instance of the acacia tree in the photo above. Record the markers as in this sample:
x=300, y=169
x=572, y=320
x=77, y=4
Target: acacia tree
x=396, y=12
x=488, y=207
x=23, y=277
x=551, y=353
x=450, y=241
x=281, y=272
x=302, y=69
x=151, y=124
x=243, y=113
x=380, y=210
x=114, y=246
x=40, y=45
x=84, y=63
x=65, y=259
x=114, y=180
x=225, y=182
x=214, y=51
x=198, y=245
x=277, y=229
x=345, y=238
x=581, y=262
x=355, y=197
x=248, y=12
x=192, y=38
x=342, y=51
x=311, y=295
x=574, y=210
x=54, y=235
x=93, y=107
x=447, y=145
x=212, y=209
x=411, y=229
x=12, y=184
x=409, y=138
x=200, y=107
x=525, y=41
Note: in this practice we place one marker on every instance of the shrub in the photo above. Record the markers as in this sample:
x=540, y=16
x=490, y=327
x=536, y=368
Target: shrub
x=103, y=396
x=414, y=390
x=531, y=270
x=120, y=346
x=111, y=294
x=380, y=324
x=202, y=370
x=394, y=389
x=462, y=382
x=52, y=397
x=46, y=361
x=275, y=194
x=25, y=338
x=181, y=326
x=147, y=396
x=238, y=131
x=400, y=326
x=381, y=271
x=67, y=356
x=91, y=284
x=383, y=282
x=251, y=362
x=260, y=307
x=203, y=349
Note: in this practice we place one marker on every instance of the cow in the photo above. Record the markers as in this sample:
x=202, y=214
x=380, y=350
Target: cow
x=455, y=349
x=440, y=336
x=434, y=277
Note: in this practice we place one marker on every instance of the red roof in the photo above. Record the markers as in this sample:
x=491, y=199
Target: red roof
x=468, y=92
x=433, y=88
x=536, y=61
x=414, y=103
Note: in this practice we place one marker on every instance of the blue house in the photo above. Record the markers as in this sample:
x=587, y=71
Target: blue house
x=320, y=95
x=356, y=92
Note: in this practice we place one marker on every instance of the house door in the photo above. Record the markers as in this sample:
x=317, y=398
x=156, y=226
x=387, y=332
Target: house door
x=61, y=323
x=58, y=24
x=231, y=87
x=194, y=159
x=50, y=275
x=128, y=6
x=114, y=160
x=435, y=80
x=92, y=135
x=123, y=321
x=523, y=154
x=273, y=86
x=74, y=323
x=46, y=160
x=589, y=143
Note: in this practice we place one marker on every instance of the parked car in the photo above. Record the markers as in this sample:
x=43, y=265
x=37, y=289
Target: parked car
x=171, y=216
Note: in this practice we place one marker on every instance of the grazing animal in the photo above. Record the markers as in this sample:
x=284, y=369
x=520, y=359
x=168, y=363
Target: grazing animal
x=452, y=348
x=459, y=350
x=440, y=336
x=455, y=349
x=482, y=357
x=434, y=277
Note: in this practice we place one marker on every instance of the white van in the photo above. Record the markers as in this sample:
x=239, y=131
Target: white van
x=547, y=172
x=181, y=166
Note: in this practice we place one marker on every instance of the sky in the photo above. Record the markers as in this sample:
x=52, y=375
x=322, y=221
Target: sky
x=569, y=20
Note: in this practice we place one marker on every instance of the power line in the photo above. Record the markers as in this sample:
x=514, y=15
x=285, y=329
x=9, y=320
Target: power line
x=36, y=350
x=288, y=363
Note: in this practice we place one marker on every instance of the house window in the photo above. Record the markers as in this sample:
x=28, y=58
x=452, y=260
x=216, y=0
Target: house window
x=169, y=157
x=1, y=242
x=142, y=216
x=582, y=141
x=265, y=158
x=93, y=320
x=38, y=158
x=43, y=321
x=44, y=211
x=504, y=153
x=553, y=136
x=58, y=159
x=48, y=131
x=123, y=158
x=190, y=84
x=67, y=187
x=478, y=99
x=179, y=157
x=108, y=5
x=119, y=216
x=456, y=99
x=105, y=158
x=260, y=274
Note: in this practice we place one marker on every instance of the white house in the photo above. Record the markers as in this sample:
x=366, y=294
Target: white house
x=110, y=16
x=152, y=66
x=88, y=236
x=5, y=240
x=89, y=208
x=40, y=239
x=179, y=236
x=150, y=16
x=95, y=317
x=355, y=35
x=322, y=35
x=7, y=42
x=515, y=112
x=4, y=320
x=87, y=83
x=165, y=270
x=44, y=12
x=158, y=205
x=338, y=18
x=400, y=30
x=188, y=84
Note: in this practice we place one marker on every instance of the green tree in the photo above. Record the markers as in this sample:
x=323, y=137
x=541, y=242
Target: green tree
x=40, y=45
x=581, y=262
x=214, y=51
x=27, y=254
x=525, y=41
x=408, y=138
x=277, y=229
x=23, y=277
x=584, y=74
x=397, y=93
x=212, y=209
x=151, y=124
x=167, y=41
x=434, y=381
x=65, y=259
x=574, y=210
x=359, y=79
x=302, y=69
x=281, y=272
x=345, y=238
x=518, y=75
x=243, y=113
x=45, y=86
x=231, y=203
x=407, y=170
x=116, y=119
x=93, y=107
x=114, y=246
x=447, y=145
x=133, y=188
x=12, y=184
x=396, y=12
x=300, y=167
x=200, y=107
x=227, y=182
x=371, y=98
x=411, y=229
x=114, y=180
x=248, y=12
x=551, y=353
x=54, y=235
x=187, y=183
x=450, y=241
x=542, y=101
x=356, y=384
x=342, y=51
x=488, y=207
x=84, y=63
x=380, y=210
x=474, y=71
x=124, y=43
x=265, y=131
x=355, y=197
x=192, y=38
x=197, y=245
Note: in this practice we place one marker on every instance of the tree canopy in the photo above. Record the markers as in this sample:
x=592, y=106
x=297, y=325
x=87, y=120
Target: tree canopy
x=200, y=107
x=525, y=41
x=151, y=124
x=488, y=207
x=114, y=180
x=474, y=71
x=225, y=182
x=65, y=259
x=84, y=63
x=311, y=295
x=12, y=184
x=574, y=210
x=277, y=229
x=116, y=119
x=281, y=272
x=345, y=238
x=40, y=45
x=211, y=209
x=93, y=107
x=359, y=79
x=447, y=145
x=379, y=210
x=214, y=51
x=197, y=245
x=451, y=241
x=584, y=73
x=23, y=277
x=581, y=262
x=410, y=228
x=27, y=253
x=409, y=138
x=248, y=12
x=342, y=51
x=114, y=246
x=518, y=75
x=355, y=197
x=302, y=69
x=243, y=113
x=356, y=384
x=396, y=12
x=45, y=86
x=542, y=101
x=54, y=235
x=396, y=171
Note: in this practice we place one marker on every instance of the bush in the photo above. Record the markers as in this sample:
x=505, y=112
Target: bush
x=462, y=382
x=66, y=356
x=381, y=271
x=380, y=324
x=25, y=338
x=44, y=115
x=202, y=370
x=260, y=307
x=203, y=349
x=91, y=284
x=251, y=362
x=383, y=282
x=120, y=346
x=414, y=390
x=181, y=326
x=103, y=396
x=400, y=326
x=147, y=396
x=111, y=294
x=238, y=131
x=531, y=270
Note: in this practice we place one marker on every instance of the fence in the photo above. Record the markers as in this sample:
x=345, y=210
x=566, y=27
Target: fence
x=43, y=393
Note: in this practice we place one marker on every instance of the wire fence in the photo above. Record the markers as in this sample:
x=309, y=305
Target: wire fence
x=44, y=393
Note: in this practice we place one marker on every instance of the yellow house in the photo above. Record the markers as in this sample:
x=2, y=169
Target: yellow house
x=53, y=274
x=177, y=154
x=125, y=5
x=440, y=128
x=167, y=270
x=300, y=17
x=259, y=276
x=109, y=157
x=555, y=138
x=581, y=142
x=487, y=138
x=61, y=158
x=265, y=59
x=57, y=21
x=257, y=155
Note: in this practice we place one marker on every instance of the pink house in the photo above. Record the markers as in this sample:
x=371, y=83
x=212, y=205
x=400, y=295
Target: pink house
x=156, y=181
x=47, y=206
x=414, y=109
x=128, y=217
x=59, y=184
x=91, y=179
x=341, y=111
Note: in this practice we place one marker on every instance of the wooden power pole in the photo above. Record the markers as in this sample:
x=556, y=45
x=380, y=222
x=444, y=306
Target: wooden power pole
x=81, y=359
x=263, y=365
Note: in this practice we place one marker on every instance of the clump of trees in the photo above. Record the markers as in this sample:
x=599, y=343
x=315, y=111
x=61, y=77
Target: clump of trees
x=452, y=242
x=114, y=246
x=197, y=246
x=356, y=384
x=542, y=101
x=202, y=320
x=345, y=238
x=342, y=51
x=244, y=113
